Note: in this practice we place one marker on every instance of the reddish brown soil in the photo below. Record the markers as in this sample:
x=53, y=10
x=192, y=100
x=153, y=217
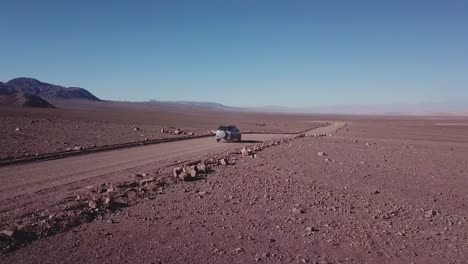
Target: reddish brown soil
x=100, y=124
x=391, y=191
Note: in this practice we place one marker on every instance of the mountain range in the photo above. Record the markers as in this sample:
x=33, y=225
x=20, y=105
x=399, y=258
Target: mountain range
x=29, y=92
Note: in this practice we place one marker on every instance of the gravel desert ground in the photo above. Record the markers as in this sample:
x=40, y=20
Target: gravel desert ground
x=380, y=190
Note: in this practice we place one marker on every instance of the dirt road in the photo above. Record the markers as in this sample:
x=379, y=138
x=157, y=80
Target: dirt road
x=26, y=179
x=326, y=130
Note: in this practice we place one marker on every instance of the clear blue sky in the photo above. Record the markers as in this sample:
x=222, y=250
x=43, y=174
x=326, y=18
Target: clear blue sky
x=246, y=53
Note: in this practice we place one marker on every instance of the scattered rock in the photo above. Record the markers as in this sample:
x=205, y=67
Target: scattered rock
x=7, y=233
x=429, y=213
x=163, y=130
x=191, y=170
x=201, y=167
x=297, y=211
x=180, y=174
x=311, y=229
x=321, y=154
x=15, y=235
x=238, y=250
x=17, y=129
x=178, y=131
x=152, y=186
x=223, y=162
x=176, y=171
x=101, y=189
x=245, y=151
x=145, y=182
x=136, y=129
x=300, y=136
x=92, y=204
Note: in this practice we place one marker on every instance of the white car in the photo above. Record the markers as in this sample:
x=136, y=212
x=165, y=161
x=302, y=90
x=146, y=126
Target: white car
x=228, y=133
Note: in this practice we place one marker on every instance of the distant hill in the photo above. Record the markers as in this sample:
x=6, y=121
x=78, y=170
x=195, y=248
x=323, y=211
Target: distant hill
x=24, y=100
x=207, y=105
x=417, y=108
x=34, y=87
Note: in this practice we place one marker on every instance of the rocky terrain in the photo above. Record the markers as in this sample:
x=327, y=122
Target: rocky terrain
x=391, y=191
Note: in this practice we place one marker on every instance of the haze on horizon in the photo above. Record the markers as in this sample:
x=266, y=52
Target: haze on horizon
x=297, y=54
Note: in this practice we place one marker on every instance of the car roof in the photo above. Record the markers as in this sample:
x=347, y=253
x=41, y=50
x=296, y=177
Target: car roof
x=226, y=126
